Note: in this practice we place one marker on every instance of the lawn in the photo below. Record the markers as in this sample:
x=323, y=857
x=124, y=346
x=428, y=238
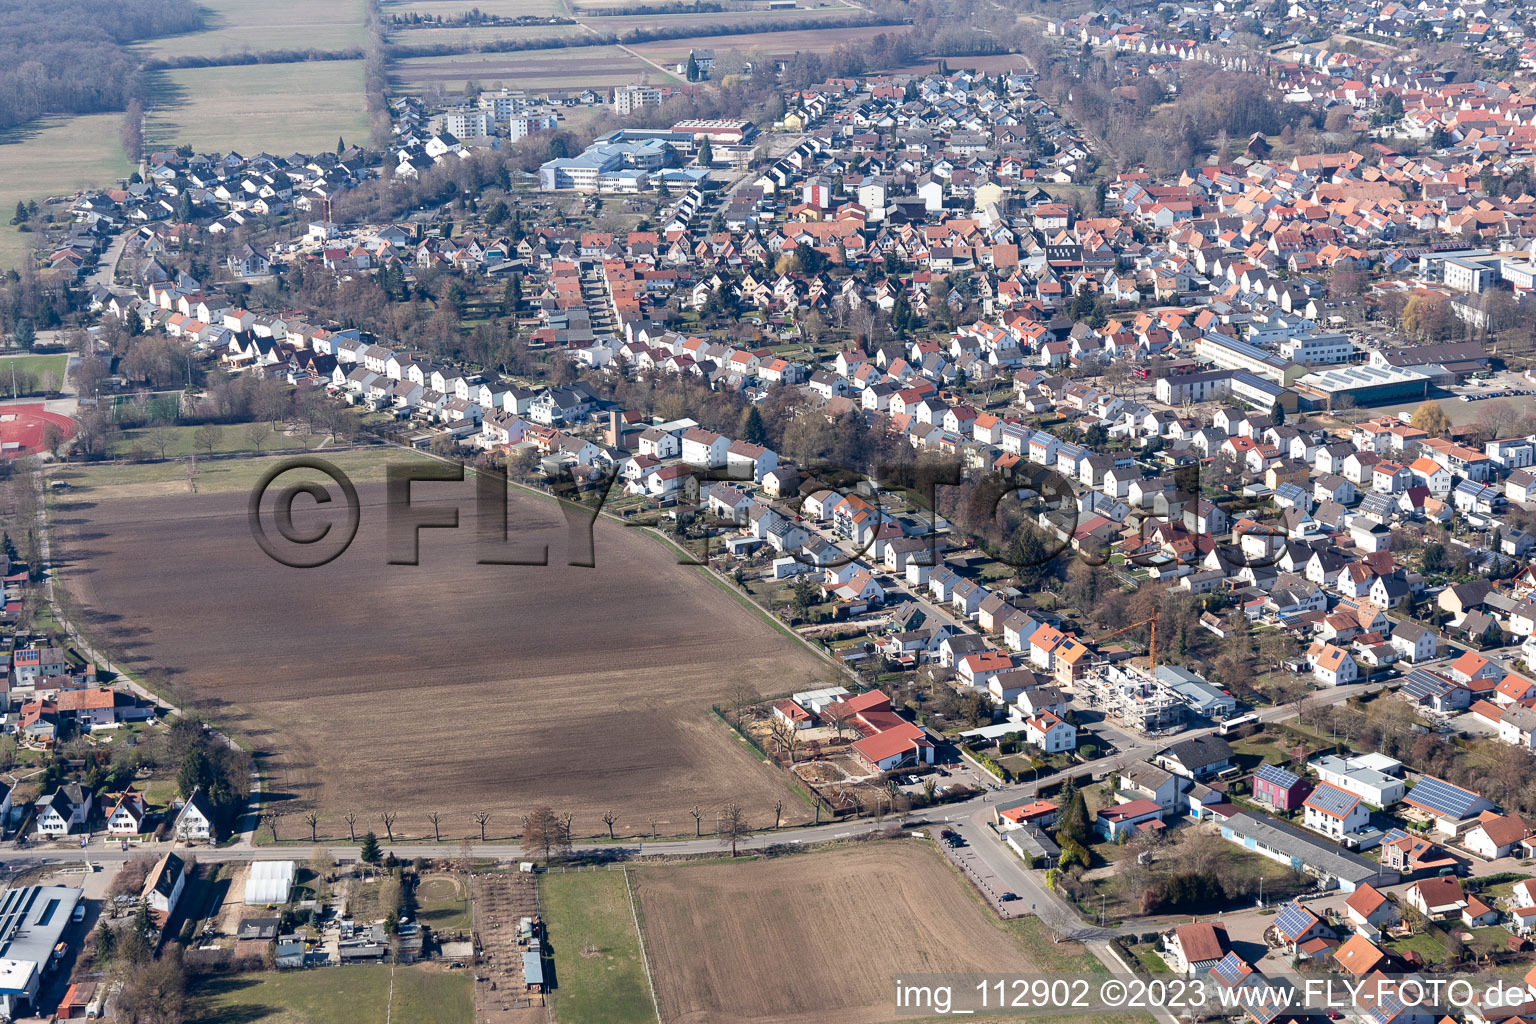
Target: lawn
x=500, y=8
x=231, y=438
x=1150, y=959
x=336, y=995
x=590, y=910
x=1046, y=956
x=562, y=68
x=240, y=26
x=54, y=156
x=429, y=995
x=95, y=483
x=1426, y=945
x=37, y=366
x=441, y=905
x=250, y=108
x=470, y=38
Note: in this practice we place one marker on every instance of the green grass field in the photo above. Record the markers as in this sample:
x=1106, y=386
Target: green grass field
x=54, y=156
x=336, y=995
x=231, y=438
x=250, y=108
x=590, y=909
x=500, y=8
x=258, y=26
x=151, y=479
x=440, y=904
x=35, y=365
x=470, y=38
x=561, y=68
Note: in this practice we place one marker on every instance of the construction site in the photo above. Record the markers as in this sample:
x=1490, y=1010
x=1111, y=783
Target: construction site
x=1131, y=696
x=1128, y=694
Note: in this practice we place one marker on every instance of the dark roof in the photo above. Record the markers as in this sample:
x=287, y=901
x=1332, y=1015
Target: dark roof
x=1199, y=751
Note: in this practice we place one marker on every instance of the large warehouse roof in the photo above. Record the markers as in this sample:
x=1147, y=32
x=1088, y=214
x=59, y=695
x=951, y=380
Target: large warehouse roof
x=1351, y=378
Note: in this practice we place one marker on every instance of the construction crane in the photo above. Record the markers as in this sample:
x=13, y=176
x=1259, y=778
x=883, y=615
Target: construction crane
x=1151, y=647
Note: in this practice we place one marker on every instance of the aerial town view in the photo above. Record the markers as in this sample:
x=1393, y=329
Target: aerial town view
x=767, y=511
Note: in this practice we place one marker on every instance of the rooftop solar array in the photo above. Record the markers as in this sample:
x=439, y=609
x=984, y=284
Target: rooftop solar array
x=1274, y=774
x=1441, y=798
x=1332, y=800
x=1230, y=969
x=1294, y=920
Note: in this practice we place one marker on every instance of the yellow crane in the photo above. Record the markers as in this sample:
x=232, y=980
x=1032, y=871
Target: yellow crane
x=1152, y=645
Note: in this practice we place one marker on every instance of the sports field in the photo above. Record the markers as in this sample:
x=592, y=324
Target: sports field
x=54, y=156
x=262, y=26
x=250, y=108
x=447, y=686
x=821, y=936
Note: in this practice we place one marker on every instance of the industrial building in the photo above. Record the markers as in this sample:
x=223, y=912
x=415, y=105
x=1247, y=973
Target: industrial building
x=1362, y=385
x=1231, y=354
x=32, y=923
x=1444, y=364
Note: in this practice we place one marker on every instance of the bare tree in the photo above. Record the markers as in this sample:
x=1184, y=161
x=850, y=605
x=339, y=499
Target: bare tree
x=436, y=819
x=545, y=833
x=208, y=436
x=389, y=823
x=787, y=737
x=313, y=821
x=160, y=439
x=742, y=695
x=608, y=819
x=466, y=859
x=256, y=434
x=698, y=821
x=271, y=819
x=481, y=817
x=351, y=819
x=778, y=813
x=732, y=826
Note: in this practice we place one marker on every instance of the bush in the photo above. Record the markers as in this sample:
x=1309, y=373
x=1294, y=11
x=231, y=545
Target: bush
x=1188, y=891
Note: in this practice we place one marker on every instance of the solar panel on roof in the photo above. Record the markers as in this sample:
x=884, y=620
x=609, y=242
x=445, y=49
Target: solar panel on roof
x=1273, y=773
x=1393, y=836
x=1230, y=968
x=1332, y=800
x=1442, y=798
x=1294, y=920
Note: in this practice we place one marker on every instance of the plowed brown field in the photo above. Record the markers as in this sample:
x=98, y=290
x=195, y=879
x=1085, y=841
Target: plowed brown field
x=447, y=686
x=817, y=937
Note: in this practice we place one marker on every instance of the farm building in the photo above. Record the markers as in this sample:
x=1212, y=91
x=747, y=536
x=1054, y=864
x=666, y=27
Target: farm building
x=269, y=882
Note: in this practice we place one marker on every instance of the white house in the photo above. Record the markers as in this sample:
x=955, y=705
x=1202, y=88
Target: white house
x=1334, y=812
x=1050, y=733
x=64, y=810
x=195, y=822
